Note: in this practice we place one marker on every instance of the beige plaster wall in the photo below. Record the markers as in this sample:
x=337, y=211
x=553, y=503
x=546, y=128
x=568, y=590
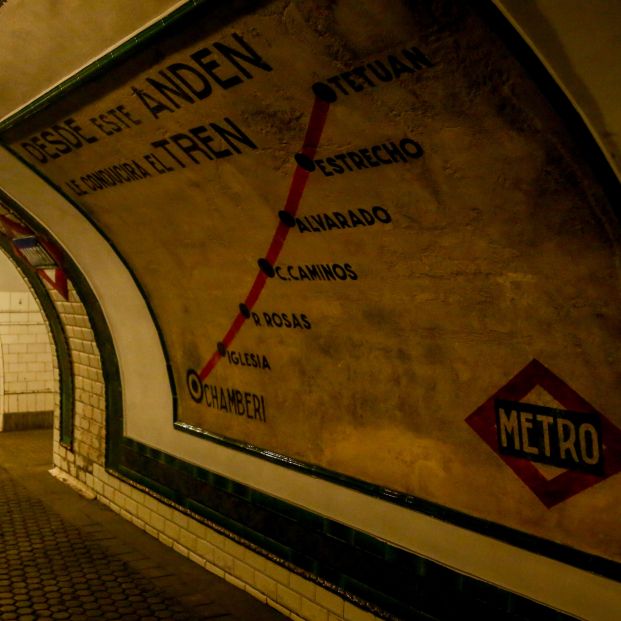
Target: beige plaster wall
x=577, y=40
x=45, y=41
x=579, y=43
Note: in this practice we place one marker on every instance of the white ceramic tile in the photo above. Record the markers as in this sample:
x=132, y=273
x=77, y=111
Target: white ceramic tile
x=5, y=300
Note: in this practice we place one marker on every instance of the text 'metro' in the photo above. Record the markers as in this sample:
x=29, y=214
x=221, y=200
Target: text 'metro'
x=562, y=438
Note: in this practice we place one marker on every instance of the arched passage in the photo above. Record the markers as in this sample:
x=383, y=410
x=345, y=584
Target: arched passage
x=29, y=386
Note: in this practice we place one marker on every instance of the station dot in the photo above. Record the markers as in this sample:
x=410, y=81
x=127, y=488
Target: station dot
x=221, y=348
x=266, y=267
x=286, y=218
x=195, y=385
x=305, y=162
x=324, y=92
x=244, y=310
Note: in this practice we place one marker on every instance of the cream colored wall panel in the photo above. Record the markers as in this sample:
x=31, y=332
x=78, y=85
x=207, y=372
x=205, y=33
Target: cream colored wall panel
x=579, y=43
x=44, y=41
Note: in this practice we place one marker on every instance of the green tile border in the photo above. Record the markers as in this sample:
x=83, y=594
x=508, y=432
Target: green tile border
x=370, y=573
x=116, y=443
x=103, y=338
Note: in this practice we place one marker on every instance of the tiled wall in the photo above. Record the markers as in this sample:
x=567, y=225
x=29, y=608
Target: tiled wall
x=218, y=553
x=89, y=402
x=262, y=578
x=27, y=372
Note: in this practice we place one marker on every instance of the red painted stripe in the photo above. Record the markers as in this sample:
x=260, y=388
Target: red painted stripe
x=316, y=124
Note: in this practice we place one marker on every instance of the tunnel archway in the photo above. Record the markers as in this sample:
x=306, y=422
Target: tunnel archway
x=29, y=391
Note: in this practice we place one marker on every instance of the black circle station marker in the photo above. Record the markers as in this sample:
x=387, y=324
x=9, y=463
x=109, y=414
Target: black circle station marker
x=266, y=267
x=305, y=162
x=324, y=92
x=221, y=347
x=244, y=310
x=195, y=385
x=286, y=218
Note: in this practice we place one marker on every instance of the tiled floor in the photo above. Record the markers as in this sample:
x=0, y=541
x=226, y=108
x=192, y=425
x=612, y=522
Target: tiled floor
x=65, y=557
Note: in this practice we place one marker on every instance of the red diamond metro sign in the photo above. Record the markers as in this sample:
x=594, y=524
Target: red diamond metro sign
x=578, y=438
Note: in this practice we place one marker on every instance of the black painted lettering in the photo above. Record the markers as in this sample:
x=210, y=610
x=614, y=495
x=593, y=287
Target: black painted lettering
x=233, y=135
x=350, y=271
x=38, y=142
x=367, y=216
x=381, y=214
x=376, y=151
x=336, y=167
x=153, y=105
x=368, y=158
x=128, y=115
x=61, y=145
x=256, y=406
x=355, y=86
x=380, y=71
x=339, y=271
x=361, y=73
x=394, y=153
x=171, y=91
x=416, y=58
x=411, y=148
x=209, y=67
x=278, y=271
x=99, y=125
x=357, y=159
x=34, y=151
x=319, y=221
x=323, y=169
x=327, y=272
x=189, y=147
x=163, y=144
x=397, y=67
x=354, y=219
x=154, y=163
x=313, y=272
x=341, y=219
x=330, y=223
x=342, y=157
x=302, y=227
x=337, y=82
x=237, y=57
x=78, y=131
x=68, y=136
x=194, y=81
